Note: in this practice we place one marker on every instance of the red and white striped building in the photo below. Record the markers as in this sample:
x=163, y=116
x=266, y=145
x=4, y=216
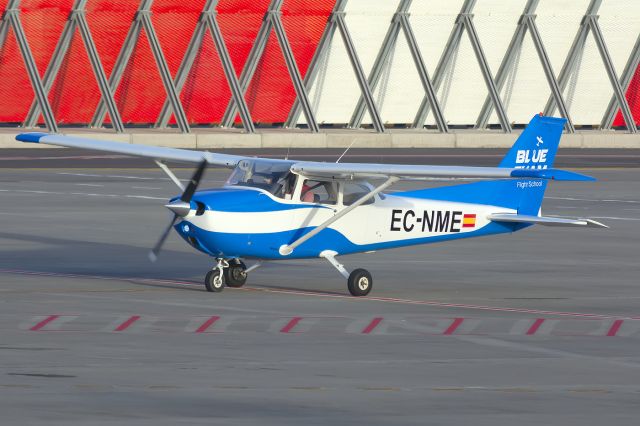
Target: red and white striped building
x=312, y=63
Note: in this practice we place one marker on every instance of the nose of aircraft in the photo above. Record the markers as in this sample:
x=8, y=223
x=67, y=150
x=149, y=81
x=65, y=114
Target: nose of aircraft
x=179, y=207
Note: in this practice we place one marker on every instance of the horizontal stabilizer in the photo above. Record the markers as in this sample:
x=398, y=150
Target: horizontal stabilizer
x=545, y=220
x=553, y=174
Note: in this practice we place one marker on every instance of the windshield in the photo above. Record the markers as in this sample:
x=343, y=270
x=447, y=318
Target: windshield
x=272, y=176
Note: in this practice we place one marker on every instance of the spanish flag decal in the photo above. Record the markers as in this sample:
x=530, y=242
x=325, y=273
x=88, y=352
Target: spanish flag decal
x=469, y=221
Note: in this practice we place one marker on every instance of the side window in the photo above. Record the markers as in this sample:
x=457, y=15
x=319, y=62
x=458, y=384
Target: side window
x=351, y=192
x=314, y=191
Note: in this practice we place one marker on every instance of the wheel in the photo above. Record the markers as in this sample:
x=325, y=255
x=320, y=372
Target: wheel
x=235, y=275
x=360, y=282
x=214, y=281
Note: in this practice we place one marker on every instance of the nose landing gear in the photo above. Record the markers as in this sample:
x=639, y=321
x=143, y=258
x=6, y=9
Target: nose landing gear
x=214, y=280
x=229, y=273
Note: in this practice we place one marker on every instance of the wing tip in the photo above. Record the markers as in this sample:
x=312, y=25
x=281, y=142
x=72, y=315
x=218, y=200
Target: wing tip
x=31, y=137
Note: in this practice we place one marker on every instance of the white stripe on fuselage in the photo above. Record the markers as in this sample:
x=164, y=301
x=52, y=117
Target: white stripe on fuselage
x=395, y=218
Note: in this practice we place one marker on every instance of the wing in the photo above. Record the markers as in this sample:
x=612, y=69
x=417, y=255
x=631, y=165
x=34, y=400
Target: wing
x=346, y=171
x=155, y=152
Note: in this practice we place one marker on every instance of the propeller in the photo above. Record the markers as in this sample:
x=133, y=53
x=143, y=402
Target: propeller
x=180, y=208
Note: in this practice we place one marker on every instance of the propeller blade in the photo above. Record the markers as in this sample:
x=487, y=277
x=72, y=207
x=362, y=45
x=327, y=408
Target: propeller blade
x=153, y=254
x=181, y=208
x=194, y=182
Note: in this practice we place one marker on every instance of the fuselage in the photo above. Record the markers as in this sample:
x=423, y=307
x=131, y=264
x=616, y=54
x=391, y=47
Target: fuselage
x=253, y=223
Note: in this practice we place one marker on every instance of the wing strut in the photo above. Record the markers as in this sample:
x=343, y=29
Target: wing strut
x=169, y=173
x=287, y=249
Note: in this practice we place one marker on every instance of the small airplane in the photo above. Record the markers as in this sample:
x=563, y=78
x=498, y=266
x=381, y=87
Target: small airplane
x=285, y=209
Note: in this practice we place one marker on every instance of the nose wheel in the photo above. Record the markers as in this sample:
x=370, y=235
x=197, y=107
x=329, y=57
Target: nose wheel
x=359, y=282
x=214, y=281
x=229, y=273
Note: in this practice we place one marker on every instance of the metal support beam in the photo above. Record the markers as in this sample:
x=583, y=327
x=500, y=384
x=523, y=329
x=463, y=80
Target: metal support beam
x=294, y=72
x=272, y=21
x=625, y=80
x=187, y=62
x=507, y=62
x=163, y=68
x=424, y=75
x=209, y=22
x=572, y=57
x=143, y=20
x=450, y=48
x=359, y=72
x=251, y=64
x=77, y=19
x=12, y=18
x=230, y=73
x=388, y=44
x=548, y=72
x=130, y=42
x=486, y=71
x=611, y=73
x=318, y=57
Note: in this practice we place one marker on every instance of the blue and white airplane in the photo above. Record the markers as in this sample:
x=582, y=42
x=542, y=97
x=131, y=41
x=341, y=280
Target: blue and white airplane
x=284, y=209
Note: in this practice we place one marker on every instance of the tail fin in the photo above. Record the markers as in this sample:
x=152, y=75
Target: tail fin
x=535, y=149
x=537, y=145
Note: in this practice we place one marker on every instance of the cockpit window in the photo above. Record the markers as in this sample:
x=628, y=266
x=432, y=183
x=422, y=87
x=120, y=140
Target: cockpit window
x=272, y=176
x=314, y=191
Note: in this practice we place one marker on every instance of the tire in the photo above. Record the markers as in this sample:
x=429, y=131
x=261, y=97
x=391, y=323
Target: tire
x=214, y=281
x=360, y=282
x=234, y=275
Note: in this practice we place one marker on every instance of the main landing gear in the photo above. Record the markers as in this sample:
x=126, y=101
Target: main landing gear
x=359, y=282
x=229, y=273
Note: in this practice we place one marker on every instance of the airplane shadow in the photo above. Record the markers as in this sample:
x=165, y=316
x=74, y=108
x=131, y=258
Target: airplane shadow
x=127, y=263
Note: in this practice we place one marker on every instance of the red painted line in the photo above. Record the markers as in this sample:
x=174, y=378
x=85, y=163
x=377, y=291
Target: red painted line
x=127, y=323
x=208, y=323
x=535, y=326
x=615, y=327
x=372, y=325
x=454, y=326
x=291, y=324
x=44, y=322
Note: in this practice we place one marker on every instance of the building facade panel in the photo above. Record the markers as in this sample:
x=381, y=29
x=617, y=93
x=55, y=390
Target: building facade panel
x=272, y=85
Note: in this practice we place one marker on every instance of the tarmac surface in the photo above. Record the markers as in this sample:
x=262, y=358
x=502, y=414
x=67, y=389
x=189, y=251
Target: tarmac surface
x=539, y=327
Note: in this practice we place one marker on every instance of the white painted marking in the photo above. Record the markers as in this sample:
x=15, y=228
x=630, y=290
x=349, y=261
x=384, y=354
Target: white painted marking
x=86, y=194
x=593, y=200
x=145, y=187
x=615, y=218
x=89, y=184
x=60, y=321
x=146, y=197
x=108, y=176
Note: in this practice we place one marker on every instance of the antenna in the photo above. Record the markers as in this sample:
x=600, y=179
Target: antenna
x=345, y=151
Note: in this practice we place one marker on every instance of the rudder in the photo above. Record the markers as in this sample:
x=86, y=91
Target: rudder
x=536, y=148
